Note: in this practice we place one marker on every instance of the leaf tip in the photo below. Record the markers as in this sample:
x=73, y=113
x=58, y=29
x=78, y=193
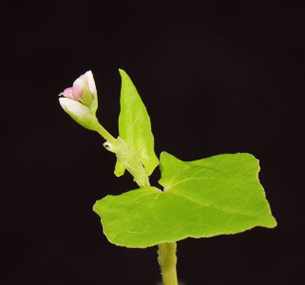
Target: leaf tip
x=272, y=223
x=122, y=72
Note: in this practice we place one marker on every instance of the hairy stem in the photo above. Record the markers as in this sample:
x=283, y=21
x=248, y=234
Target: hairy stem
x=167, y=260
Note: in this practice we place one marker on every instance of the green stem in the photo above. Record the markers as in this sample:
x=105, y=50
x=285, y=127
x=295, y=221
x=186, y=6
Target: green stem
x=167, y=260
x=126, y=156
x=104, y=133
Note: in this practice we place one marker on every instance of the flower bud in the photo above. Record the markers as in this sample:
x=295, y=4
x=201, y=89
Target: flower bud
x=80, y=101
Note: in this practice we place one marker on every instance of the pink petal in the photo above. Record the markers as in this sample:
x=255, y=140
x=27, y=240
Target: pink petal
x=78, y=88
x=68, y=93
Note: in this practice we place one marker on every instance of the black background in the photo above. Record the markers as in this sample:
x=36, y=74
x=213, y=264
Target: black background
x=216, y=77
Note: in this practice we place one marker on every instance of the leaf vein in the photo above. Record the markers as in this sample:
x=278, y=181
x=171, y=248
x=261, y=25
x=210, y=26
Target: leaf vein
x=222, y=209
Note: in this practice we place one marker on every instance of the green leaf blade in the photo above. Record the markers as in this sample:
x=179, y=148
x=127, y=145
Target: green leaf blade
x=227, y=183
x=228, y=180
x=123, y=221
x=203, y=198
x=135, y=126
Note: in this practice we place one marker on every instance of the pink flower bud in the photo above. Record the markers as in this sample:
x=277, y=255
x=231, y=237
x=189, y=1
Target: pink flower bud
x=80, y=101
x=84, y=91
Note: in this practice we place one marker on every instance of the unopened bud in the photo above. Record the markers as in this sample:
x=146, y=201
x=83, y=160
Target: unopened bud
x=80, y=101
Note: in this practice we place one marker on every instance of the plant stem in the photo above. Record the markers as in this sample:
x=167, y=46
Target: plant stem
x=167, y=260
x=104, y=133
x=127, y=157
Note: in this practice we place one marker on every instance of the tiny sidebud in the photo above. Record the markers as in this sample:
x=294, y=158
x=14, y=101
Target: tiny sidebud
x=109, y=146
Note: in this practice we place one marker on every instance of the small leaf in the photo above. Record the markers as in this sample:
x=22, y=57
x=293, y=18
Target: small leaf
x=201, y=198
x=135, y=127
x=119, y=169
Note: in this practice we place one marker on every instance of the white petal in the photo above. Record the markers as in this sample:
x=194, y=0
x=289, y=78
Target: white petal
x=91, y=82
x=73, y=107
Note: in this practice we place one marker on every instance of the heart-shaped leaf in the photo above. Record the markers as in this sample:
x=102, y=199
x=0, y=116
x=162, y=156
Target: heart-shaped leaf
x=201, y=198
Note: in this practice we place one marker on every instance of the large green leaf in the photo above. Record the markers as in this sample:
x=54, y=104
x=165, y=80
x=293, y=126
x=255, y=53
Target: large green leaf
x=135, y=127
x=202, y=198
